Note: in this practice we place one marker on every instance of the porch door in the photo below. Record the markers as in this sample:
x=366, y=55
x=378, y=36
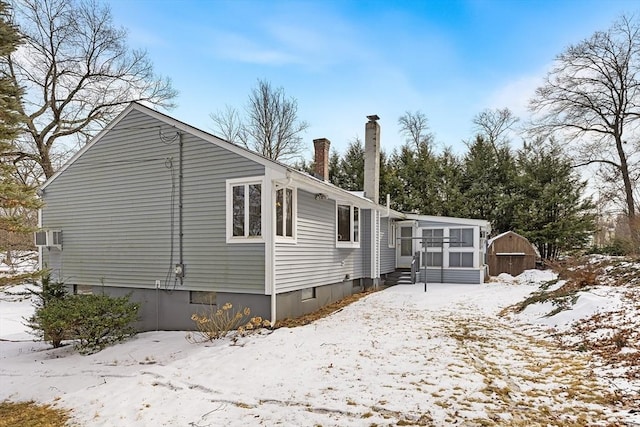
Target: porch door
x=404, y=247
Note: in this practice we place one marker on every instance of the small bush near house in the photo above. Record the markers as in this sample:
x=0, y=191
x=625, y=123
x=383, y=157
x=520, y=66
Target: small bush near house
x=216, y=323
x=95, y=321
x=53, y=329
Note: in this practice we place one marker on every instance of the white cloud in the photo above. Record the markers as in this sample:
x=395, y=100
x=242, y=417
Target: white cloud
x=515, y=94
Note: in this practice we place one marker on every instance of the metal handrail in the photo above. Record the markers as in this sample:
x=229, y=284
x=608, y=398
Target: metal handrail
x=413, y=268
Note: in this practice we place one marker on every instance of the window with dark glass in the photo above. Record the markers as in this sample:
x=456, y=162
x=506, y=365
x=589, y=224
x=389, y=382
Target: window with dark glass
x=344, y=223
x=255, y=210
x=246, y=210
x=348, y=224
x=284, y=212
x=238, y=210
x=356, y=223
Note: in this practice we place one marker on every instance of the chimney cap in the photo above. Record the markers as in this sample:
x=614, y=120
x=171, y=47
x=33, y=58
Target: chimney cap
x=373, y=117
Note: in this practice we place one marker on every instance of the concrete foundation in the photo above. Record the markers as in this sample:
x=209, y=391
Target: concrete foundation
x=171, y=310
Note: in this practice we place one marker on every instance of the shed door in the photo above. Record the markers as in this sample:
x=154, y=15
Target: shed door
x=511, y=263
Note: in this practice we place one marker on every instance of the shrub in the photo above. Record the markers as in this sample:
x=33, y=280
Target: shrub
x=49, y=291
x=216, y=323
x=618, y=247
x=100, y=320
x=95, y=321
x=51, y=327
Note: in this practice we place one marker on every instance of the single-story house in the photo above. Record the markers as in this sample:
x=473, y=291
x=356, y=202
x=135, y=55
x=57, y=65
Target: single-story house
x=179, y=218
x=510, y=253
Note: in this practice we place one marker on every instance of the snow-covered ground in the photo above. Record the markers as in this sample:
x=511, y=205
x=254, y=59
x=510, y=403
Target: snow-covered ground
x=401, y=356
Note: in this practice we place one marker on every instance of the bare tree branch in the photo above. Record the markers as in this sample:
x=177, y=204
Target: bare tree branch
x=592, y=97
x=78, y=73
x=271, y=126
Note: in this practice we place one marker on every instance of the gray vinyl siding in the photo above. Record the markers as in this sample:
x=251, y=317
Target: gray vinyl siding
x=449, y=275
x=115, y=205
x=387, y=254
x=314, y=259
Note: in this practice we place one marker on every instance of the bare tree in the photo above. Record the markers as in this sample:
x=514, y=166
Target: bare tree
x=494, y=124
x=78, y=74
x=228, y=124
x=592, y=96
x=270, y=127
x=415, y=128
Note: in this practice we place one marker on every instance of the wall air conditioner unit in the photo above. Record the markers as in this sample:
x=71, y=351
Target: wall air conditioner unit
x=40, y=238
x=54, y=238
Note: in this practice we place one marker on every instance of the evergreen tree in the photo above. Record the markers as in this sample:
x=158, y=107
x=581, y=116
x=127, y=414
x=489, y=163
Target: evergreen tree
x=488, y=184
x=15, y=197
x=447, y=178
x=350, y=168
x=334, y=167
x=552, y=212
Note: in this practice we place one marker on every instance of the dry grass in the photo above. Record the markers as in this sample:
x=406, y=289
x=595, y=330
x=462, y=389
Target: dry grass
x=31, y=414
x=322, y=312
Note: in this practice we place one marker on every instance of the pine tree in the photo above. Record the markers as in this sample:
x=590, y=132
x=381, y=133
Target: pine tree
x=552, y=212
x=15, y=197
x=488, y=184
x=350, y=175
x=448, y=177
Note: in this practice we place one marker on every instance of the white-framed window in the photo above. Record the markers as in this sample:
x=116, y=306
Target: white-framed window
x=245, y=199
x=461, y=237
x=391, y=235
x=347, y=226
x=460, y=259
x=285, y=213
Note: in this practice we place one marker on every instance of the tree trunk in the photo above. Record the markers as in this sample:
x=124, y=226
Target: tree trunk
x=628, y=190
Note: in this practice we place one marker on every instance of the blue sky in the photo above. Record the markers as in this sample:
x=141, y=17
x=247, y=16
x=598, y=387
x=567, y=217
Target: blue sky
x=343, y=60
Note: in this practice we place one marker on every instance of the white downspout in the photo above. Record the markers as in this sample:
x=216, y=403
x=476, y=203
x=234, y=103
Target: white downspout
x=40, y=247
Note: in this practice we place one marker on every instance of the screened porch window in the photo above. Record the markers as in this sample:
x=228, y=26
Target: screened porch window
x=433, y=237
x=461, y=237
x=432, y=259
x=460, y=259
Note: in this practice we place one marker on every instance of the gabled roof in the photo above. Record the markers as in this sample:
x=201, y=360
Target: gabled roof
x=299, y=177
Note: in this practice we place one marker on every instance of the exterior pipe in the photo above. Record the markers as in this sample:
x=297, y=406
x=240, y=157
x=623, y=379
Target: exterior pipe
x=388, y=204
x=180, y=207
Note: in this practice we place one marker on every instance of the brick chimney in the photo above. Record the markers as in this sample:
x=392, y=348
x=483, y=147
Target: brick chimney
x=372, y=159
x=321, y=161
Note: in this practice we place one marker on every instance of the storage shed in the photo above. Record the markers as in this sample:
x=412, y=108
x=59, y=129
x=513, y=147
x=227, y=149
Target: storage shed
x=510, y=253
